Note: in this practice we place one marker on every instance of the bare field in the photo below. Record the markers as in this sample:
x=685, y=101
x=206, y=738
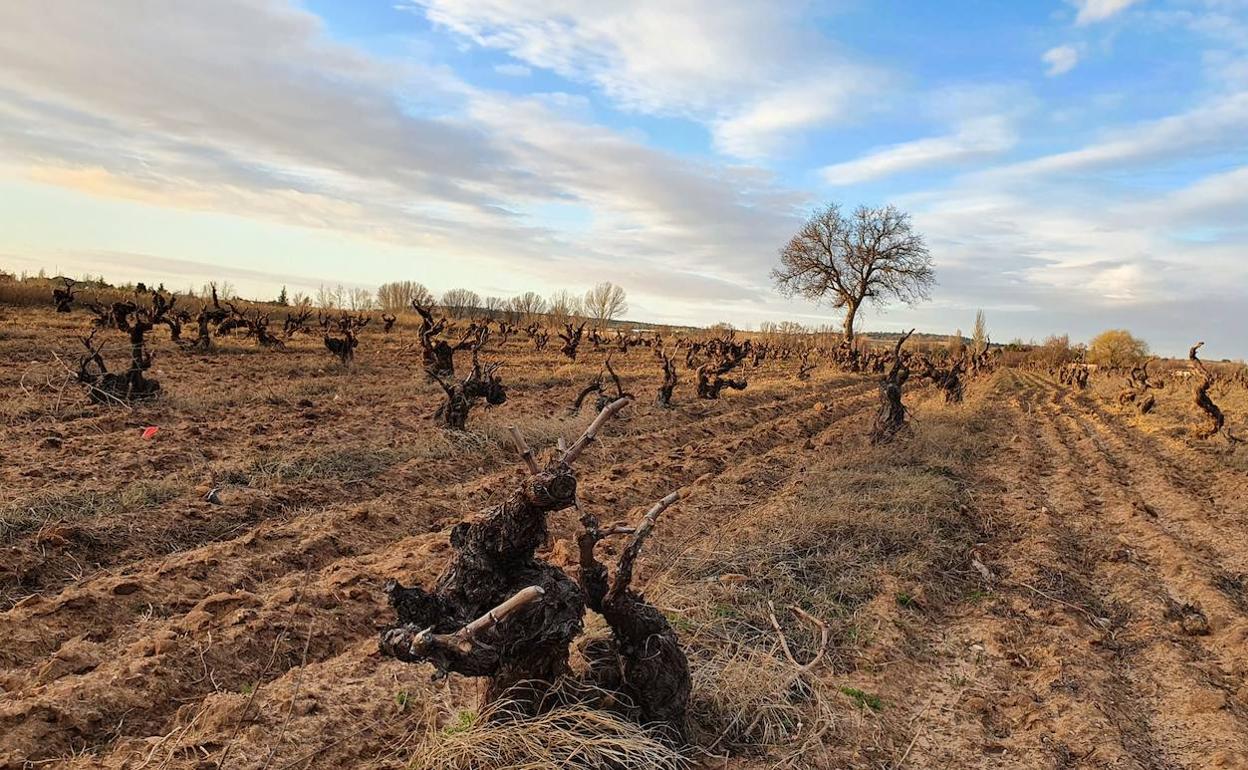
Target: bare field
x=1031, y=579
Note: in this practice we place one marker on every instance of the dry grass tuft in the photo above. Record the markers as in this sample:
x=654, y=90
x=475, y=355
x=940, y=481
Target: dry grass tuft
x=568, y=737
x=51, y=507
x=747, y=699
x=832, y=540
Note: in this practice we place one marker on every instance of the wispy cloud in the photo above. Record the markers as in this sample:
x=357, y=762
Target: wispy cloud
x=730, y=66
x=513, y=70
x=1060, y=60
x=975, y=138
x=1091, y=11
x=1215, y=126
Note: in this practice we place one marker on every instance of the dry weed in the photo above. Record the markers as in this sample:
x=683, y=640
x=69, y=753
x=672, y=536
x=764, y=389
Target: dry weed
x=565, y=738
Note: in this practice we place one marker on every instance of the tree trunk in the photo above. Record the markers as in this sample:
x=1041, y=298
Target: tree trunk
x=851, y=310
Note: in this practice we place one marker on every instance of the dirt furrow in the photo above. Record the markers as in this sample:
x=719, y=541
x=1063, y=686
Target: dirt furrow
x=1194, y=472
x=59, y=554
x=1103, y=707
x=247, y=624
x=358, y=675
x=1163, y=651
x=1017, y=668
x=274, y=549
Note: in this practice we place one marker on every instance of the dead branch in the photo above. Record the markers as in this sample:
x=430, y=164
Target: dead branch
x=824, y=636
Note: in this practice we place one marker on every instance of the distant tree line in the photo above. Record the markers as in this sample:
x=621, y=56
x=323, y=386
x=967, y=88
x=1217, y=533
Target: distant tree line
x=602, y=304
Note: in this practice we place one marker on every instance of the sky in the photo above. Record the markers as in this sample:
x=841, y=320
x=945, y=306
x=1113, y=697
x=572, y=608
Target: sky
x=1074, y=165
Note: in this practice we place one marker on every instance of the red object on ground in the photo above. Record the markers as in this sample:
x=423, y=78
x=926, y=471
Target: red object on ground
x=150, y=431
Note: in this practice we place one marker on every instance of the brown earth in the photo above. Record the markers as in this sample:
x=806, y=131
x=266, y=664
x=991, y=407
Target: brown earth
x=1032, y=579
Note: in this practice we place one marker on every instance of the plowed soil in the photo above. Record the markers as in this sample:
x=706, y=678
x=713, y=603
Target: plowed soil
x=1032, y=579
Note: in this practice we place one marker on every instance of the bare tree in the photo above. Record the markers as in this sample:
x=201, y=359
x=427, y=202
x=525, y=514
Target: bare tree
x=493, y=305
x=872, y=255
x=224, y=289
x=460, y=302
x=605, y=302
x=527, y=305
x=564, y=306
x=397, y=296
x=324, y=297
x=360, y=299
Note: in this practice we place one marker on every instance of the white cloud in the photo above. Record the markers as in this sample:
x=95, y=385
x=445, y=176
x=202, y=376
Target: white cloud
x=975, y=138
x=248, y=107
x=513, y=70
x=1212, y=127
x=755, y=72
x=269, y=119
x=1064, y=251
x=1218, y=200
x=1060, y=60
x=1091, y=11
x=761, y=128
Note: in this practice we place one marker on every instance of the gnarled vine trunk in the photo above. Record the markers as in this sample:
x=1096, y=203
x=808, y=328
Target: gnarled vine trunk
x=498, y=611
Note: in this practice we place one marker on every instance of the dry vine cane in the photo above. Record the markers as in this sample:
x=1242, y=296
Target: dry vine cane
x=438, y=355
x=297, y=323
x=253, y=323
x=64, y=298
x=499, y=612
x=643, y=660
x=1075, y=375
x=804, y=368
x=598, y=387
x=711, y=375
x=571, y=336
x=209, y=315
x=949, y=380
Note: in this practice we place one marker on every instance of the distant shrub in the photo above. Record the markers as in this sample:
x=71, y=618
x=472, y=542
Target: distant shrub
x=1117, y=349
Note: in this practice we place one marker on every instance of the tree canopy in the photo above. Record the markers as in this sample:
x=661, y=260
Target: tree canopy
x=1117, y=348
x=872, y=255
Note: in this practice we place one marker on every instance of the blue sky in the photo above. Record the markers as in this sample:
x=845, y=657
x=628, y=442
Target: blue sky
x=1075, y=164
